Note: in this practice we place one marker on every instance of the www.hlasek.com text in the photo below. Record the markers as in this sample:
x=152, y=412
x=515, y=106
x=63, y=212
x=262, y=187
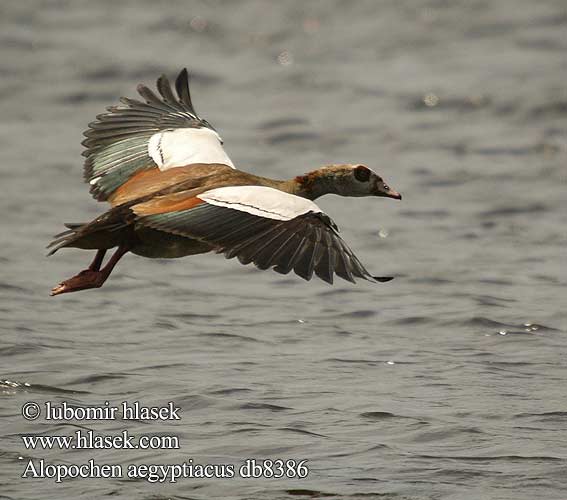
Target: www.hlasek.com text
x=89, y=440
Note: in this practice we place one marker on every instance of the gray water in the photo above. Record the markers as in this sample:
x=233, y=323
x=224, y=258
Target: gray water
x=446, y=383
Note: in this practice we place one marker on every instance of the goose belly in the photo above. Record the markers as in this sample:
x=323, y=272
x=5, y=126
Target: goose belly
x=161, y=245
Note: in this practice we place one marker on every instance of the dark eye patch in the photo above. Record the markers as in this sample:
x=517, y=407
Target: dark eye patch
x=361, y=173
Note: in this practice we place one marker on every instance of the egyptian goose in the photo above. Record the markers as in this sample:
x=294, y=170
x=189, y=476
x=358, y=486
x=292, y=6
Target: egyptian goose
x=174, y=192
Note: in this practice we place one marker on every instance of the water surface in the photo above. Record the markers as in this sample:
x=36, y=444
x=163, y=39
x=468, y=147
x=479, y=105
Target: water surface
x=448, y=382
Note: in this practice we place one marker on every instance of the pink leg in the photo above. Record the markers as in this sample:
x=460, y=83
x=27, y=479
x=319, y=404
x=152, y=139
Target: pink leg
x=97, y=261
x=94, y=276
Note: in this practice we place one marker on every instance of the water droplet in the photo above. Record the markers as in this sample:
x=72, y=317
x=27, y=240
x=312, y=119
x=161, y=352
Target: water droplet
x=477, y=99
x=198, y=24
x=311, y=25
x=430, y=100
x=503, y=332
x=285, y=58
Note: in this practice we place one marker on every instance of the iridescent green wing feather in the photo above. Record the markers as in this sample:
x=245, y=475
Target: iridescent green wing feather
x=117, y=141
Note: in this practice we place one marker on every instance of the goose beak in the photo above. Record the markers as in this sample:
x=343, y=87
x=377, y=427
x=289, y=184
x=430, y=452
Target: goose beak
x=393, y=194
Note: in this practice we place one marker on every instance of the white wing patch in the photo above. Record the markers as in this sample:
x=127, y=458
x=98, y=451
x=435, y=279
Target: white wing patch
x=184, y=146
x=261, y=201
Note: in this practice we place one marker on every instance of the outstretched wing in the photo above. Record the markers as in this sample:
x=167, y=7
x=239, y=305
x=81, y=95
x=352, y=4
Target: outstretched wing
x=259, y=225
x=163, y=132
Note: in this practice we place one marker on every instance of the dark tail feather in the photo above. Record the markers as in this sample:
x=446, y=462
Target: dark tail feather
x=383, y=279
x=106, y=231
x=62, y=239
x=73, y=226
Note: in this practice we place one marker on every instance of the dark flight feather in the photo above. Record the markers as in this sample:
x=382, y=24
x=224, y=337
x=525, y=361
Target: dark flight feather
x=309, y=244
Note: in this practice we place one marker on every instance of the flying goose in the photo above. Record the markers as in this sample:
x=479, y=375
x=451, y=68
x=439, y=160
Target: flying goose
x=174, y=192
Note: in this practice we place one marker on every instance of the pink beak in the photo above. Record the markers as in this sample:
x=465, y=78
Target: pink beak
x=393, y=194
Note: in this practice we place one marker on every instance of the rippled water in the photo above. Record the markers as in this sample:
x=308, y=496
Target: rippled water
x=448, y=382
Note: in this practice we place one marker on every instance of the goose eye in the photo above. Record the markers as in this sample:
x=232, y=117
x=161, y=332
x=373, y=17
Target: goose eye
x=361, y=174
x=386, y=187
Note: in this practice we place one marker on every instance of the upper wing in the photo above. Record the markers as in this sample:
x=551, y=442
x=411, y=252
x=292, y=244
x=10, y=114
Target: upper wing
x=163, y=132
x=258, y=224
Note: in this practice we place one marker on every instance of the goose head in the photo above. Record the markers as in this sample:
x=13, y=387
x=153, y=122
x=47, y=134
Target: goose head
x=346, y=180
